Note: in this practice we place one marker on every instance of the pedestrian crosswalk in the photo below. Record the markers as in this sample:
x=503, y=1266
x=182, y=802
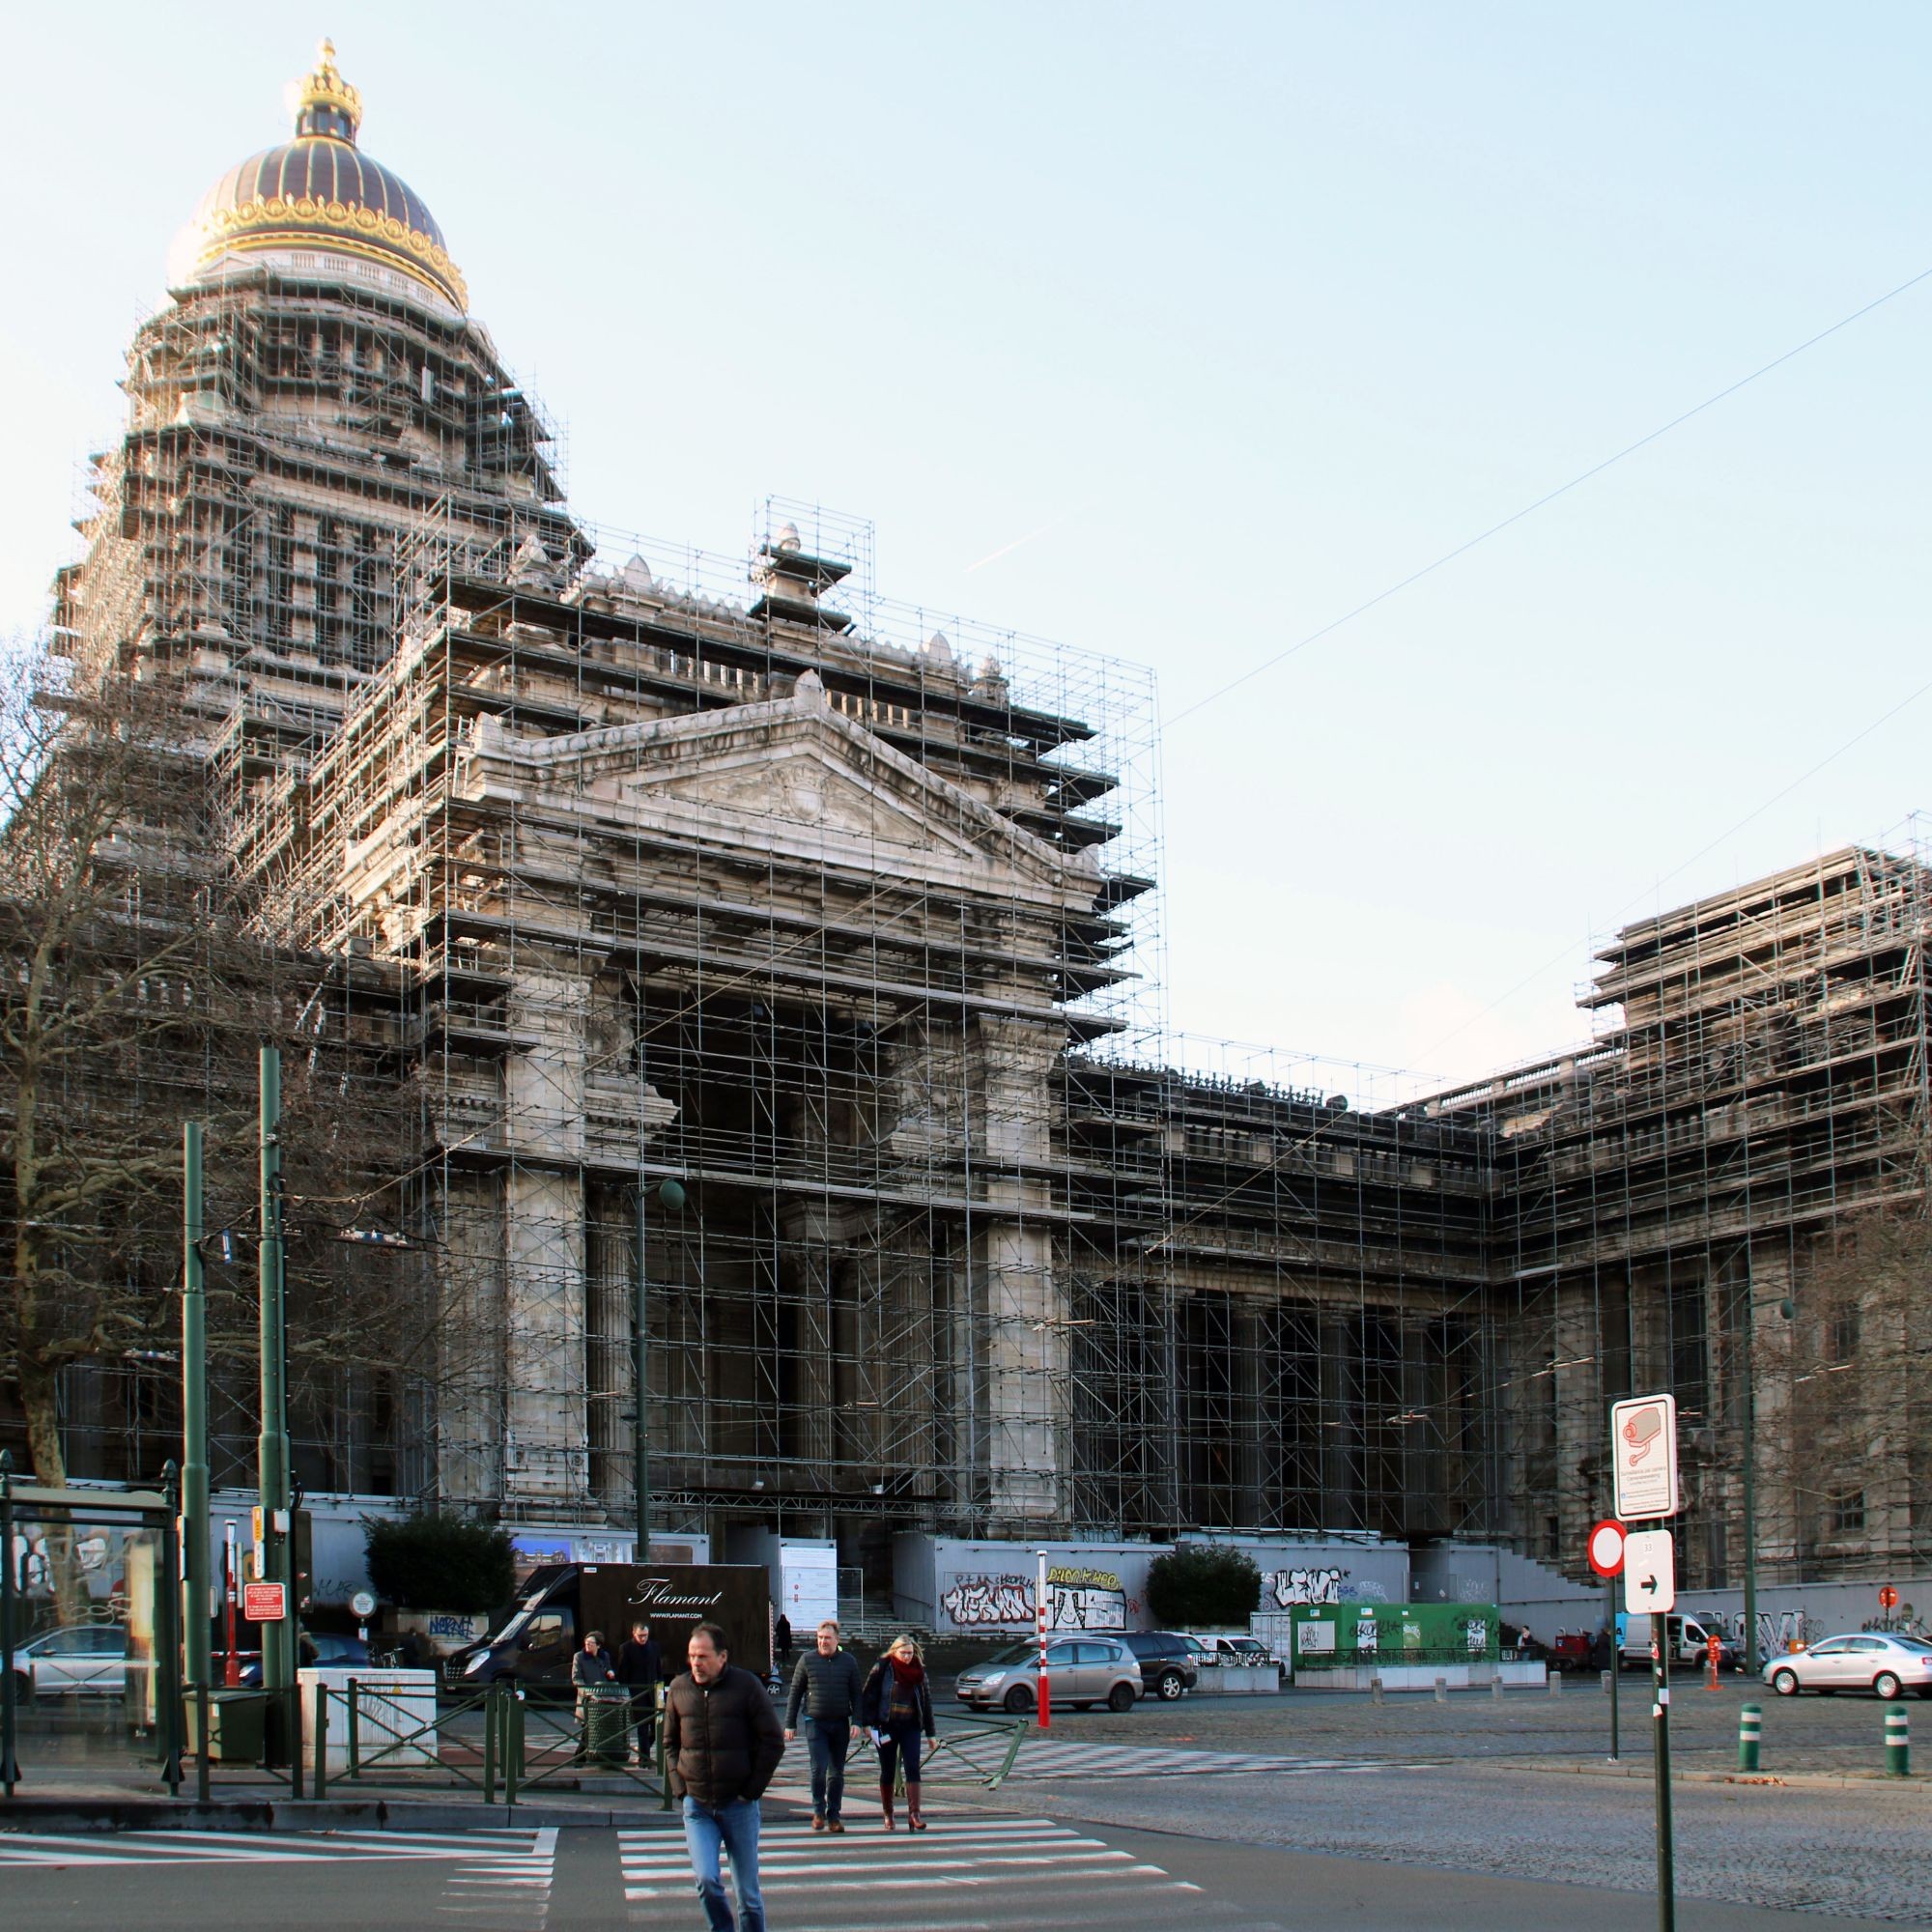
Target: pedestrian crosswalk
x=1052, y=1757
x=494, y=1855
x=508, y=1888
x=961, y=1875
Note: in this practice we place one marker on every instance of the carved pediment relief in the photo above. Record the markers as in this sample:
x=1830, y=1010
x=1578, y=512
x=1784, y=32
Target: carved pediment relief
x=794, y=781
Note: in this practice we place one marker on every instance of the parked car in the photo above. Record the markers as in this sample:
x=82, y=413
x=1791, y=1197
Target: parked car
x=79, y=1658
x=1081, y=1671
x=1866, y=1660
x=1170, y=1662
x=326, y=1650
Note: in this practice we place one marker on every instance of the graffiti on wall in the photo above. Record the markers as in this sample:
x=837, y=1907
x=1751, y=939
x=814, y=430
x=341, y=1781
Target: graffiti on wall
x=1289, y=1587
x=1082, y=1599
x=977, y=1602
x=1077, y=1598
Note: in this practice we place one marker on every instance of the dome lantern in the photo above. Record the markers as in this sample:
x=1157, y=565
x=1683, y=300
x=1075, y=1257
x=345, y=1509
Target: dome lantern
x=330, y=109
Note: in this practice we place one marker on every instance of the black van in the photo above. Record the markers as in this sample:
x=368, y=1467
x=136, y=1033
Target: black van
x=1170, y=1663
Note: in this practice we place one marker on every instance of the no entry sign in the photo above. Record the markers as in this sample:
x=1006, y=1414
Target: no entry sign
x=1607, y=1548
x=265, y=1603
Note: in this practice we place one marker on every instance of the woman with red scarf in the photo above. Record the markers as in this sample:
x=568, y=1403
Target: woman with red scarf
x=896, y=1707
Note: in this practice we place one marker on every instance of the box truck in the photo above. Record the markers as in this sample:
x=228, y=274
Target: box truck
x=560, y=1603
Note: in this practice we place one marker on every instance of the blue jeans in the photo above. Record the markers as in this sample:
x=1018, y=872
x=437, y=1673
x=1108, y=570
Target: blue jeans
x=829, y=1742
x=733, y=1826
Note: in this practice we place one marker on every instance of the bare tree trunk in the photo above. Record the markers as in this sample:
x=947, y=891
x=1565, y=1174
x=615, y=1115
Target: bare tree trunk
x=38, y=1399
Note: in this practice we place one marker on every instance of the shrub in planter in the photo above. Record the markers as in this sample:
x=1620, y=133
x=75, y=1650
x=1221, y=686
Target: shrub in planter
x=1204, y=1586
x=428, y=1562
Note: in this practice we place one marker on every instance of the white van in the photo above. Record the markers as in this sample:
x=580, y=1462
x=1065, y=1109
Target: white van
x=1690, y=1639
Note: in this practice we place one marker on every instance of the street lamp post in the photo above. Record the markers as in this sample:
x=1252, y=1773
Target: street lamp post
x=1785, y=1307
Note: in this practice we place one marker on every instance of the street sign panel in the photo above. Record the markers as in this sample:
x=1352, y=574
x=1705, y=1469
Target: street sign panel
x=1607, y=1548
x=1643, y=1452
x=265, y=1603
x=1887, y=1597
x=1650, y=1572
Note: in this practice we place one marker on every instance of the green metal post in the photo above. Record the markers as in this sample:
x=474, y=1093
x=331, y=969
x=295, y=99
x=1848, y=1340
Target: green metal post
x=1751, y=1658
x=513, y=1747
x=1751, y=1735
x=492, y=1705
x=355, y=1730
x=321, y=1789
x=201, y=1755
x=197, y=1651
x=272, y=1448
x=641, y=1437
x=168, y=1636
x=10, y=1763
x=1897, y=1743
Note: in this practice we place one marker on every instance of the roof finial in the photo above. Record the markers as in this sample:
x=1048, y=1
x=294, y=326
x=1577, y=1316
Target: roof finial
x=330, y=109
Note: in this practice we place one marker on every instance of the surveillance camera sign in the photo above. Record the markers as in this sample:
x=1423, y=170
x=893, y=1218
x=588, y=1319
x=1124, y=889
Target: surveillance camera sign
x=1643, y=1452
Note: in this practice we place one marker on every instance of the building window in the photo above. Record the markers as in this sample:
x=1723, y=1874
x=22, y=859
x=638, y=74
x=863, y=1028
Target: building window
x=1843, y=1338
x=1846, y=1513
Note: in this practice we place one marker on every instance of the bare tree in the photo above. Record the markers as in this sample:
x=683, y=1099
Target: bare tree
x=134, y=990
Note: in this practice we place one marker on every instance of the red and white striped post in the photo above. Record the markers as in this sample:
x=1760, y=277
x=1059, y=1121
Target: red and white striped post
x=1040, y=1621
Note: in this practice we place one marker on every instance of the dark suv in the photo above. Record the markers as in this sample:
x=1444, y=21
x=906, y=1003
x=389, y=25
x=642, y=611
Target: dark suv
x=1169, y=1662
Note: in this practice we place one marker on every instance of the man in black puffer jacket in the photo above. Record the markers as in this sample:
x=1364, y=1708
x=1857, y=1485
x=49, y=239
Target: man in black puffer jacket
x=723, y=1742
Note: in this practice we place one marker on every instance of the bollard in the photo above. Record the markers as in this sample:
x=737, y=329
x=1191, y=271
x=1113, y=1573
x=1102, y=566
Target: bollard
x=1555, y=1683
x=1897, y=1743
x=1443, y=1689
x=1751, y=1733
x=1495, y=1689
x=1609, y=1685
x=1375, y=1688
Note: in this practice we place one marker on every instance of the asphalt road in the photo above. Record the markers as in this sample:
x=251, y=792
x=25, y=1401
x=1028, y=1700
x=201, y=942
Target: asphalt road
x=1238, y=1816
x=972, y=1872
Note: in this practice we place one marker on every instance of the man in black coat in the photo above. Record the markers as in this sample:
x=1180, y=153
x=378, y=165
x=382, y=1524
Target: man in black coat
x=641, y=1670
x=723, y=1742
x=826, y=1687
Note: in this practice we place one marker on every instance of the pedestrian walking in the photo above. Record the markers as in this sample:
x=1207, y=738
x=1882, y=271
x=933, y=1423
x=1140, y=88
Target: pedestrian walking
x=590, y=1670
x=896, y=1707
x=827, y=1686
x=782, y=1639
x=723, y=1742
x=641, y=1670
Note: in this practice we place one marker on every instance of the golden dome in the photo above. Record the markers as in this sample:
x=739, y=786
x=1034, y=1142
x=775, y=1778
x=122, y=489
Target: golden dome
x=320, y=192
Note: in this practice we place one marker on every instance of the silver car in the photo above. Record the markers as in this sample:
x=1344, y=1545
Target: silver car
x=79, y=1658
x=1866, y=1661
x=1082, y=1671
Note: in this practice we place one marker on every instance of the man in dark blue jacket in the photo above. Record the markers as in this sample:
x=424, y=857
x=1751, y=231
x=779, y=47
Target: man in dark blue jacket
x=641, y=1670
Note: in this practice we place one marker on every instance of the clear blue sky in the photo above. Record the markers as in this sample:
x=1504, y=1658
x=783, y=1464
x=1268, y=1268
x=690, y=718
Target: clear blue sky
x=1251, y=311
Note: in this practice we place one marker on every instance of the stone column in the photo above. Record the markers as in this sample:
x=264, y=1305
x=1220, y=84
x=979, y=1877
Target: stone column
x=546, y=1451
x=1019, y=1305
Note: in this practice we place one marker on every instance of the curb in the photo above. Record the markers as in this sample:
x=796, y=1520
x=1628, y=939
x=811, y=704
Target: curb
x=1816, y=1781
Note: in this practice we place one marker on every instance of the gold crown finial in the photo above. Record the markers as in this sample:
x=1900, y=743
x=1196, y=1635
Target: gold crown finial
x=329, y=105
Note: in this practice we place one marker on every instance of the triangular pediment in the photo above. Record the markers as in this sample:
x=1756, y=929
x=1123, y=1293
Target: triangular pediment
x=791, y=780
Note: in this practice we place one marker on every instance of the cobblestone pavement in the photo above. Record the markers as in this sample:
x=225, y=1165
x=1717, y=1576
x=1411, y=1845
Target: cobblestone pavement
x=1836, y=1734
x=1860, y=1852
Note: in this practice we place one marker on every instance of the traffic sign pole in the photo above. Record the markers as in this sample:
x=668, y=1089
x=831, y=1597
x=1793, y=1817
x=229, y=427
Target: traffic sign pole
x=1616, y=1668
x=1660, y=1711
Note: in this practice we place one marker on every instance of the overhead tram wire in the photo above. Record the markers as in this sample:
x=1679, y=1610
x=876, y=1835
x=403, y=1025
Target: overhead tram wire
x=1549, y=497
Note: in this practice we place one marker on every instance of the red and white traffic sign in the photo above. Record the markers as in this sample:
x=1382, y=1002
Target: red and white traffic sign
x=265, y=1603
x=1887, y=1597
x=1607, y=1548
x=1643, y=1454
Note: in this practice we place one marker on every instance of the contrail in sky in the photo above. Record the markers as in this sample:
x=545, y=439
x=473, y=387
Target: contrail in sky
x=1006, y=550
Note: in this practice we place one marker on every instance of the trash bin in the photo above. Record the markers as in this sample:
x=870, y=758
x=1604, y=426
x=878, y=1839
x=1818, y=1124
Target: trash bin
x=604, y=1710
